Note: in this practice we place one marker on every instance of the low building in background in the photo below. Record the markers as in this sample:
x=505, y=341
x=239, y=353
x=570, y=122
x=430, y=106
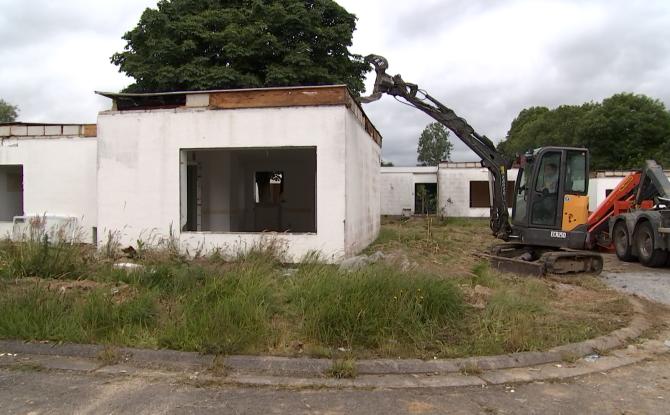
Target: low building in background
x=48, y=171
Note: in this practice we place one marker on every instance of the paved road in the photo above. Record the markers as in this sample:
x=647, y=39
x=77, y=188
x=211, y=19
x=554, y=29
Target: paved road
x=654, y=285
x=633, y=278
x=640, y=389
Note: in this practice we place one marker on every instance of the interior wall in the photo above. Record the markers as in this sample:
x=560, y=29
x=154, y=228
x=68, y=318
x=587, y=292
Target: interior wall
x=11, y=192
x=227, y=182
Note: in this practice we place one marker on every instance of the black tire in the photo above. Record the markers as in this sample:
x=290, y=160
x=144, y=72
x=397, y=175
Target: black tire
x=645, y=246
x=622, y=245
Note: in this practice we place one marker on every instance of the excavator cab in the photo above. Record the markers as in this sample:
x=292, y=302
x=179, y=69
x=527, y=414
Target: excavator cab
x=551, y=198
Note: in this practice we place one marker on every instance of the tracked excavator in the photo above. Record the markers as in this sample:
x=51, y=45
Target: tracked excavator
x=548, y=230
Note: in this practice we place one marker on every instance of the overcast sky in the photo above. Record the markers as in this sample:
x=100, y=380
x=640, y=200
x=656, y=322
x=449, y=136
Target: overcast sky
x=485, y=59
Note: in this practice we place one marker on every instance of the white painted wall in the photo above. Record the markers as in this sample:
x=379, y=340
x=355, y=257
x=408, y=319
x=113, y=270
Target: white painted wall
x=139, y=166
x=59, y=177
x=454, y=190
x=598, y=187
x=398, y=185
x=363, y=156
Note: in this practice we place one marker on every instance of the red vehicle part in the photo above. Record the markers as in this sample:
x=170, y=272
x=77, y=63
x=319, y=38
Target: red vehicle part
x=619, y=200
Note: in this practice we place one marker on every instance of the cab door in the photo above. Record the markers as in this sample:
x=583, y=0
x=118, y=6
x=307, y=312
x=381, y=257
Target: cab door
x=546, y=203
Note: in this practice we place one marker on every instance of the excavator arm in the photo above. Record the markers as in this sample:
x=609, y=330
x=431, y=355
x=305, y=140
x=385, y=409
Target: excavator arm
x=495, y=162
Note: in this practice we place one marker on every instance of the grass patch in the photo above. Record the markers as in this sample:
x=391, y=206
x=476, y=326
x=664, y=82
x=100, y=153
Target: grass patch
x=39, y=257
x=343, y=369
x=447, y=304
x=376, y=307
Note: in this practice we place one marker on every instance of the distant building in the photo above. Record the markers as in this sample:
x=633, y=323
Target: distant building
x=463, y=188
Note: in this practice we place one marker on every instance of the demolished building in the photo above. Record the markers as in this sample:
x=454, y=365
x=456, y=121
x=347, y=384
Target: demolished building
x=214, y=170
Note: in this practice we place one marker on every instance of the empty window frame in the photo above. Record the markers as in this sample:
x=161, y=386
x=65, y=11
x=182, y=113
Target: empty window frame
x=249, y=190
x=11, y=192
x=480, y=196
x=425, y=198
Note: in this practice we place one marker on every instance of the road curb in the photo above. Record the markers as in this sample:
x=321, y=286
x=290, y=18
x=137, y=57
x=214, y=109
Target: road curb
x=251, y=366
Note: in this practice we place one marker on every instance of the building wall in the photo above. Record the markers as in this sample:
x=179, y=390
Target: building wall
x=362, y=191
x=454, y=190
x=398, y=185
x=59, y=177
x=139, y=172
x=598, y=187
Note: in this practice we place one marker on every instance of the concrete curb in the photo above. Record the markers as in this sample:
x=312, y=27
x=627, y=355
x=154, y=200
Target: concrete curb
x=248, y=367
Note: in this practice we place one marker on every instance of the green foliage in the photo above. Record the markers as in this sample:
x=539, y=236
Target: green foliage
x=228, y=313
x=621, y=132
x=387, y=163
x=40, y=257
x=36, y=312
x=371, y=307
x=434, y=145
x=343, y=369
x=8, y=112
x=198, y=45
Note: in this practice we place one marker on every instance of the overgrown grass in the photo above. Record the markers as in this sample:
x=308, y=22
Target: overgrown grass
x=373, y=307
x=40, y=257
x=34, y=312
x=448, y=304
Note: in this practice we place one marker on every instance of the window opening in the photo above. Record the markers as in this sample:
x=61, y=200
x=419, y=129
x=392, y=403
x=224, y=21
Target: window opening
x=11, y=192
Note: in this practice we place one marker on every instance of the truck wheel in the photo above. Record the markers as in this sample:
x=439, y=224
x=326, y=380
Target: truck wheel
x=622, y=246
x=645, y=245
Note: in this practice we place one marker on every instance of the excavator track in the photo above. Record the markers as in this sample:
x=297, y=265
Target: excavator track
x=539, y=261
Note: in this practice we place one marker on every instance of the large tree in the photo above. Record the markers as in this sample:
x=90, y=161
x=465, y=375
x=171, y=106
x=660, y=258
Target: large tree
x=434, y=145
x=8, y=112
x=621, y=132
x=211, y=44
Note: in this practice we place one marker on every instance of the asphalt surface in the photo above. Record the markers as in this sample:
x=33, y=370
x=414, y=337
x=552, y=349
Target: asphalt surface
x=653, y=285
x=639, y=389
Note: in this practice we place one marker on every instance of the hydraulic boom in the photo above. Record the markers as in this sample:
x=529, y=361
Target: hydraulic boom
x=495, y=162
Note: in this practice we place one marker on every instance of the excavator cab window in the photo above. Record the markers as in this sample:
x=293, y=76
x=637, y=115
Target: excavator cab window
x=545, y=191
x=576, y=173
x=521, y=195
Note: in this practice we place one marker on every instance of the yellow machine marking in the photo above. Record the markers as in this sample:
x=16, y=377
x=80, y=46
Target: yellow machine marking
x=575, y=211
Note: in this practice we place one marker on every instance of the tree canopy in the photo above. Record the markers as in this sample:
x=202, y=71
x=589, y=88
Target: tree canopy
x=219, y=44
x=8, y=112
x=434, y=145
x=621, y=132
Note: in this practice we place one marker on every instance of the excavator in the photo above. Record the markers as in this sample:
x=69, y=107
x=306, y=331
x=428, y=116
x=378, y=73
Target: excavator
x=550, y=230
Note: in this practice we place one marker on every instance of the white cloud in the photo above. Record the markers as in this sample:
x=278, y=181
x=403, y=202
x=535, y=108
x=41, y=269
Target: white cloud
x=487, y=60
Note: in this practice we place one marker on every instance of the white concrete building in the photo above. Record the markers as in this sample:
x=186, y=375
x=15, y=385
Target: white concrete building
x=399, y=188
x=48, y=170
x=462, y=189
x=226, y=170
x=602, y=183
x=229, y=169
